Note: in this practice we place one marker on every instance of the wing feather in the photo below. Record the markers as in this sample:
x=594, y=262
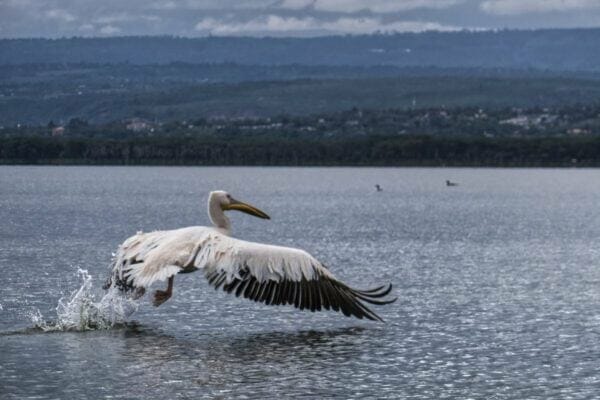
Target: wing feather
x=276, y=275
x=145, y=258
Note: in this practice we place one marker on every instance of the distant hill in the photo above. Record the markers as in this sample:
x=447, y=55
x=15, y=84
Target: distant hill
x=165, y=78
x=39, y=102
x=554, y=49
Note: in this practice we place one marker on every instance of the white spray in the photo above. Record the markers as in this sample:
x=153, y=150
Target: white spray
x=81, y=311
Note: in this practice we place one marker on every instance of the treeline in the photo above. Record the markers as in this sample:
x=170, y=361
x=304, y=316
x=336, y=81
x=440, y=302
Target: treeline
x=376, y=151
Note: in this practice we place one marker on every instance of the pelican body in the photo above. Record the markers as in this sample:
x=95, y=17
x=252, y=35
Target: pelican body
x=273, y=275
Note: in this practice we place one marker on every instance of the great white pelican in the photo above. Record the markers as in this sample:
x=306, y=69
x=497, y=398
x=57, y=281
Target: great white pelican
x=273, y=275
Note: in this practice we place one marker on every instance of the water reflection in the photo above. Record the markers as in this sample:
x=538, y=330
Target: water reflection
x=153, y=363
x=239, y=350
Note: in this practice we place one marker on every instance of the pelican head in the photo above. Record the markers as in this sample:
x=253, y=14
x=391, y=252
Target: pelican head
x=220, y=201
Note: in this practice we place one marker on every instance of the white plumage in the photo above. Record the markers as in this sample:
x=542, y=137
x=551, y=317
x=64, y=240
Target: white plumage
x=269, y=274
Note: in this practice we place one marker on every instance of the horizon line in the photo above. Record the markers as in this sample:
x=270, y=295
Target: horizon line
x=311, y=37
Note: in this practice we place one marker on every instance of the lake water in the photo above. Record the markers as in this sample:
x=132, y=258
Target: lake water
x=498, y=285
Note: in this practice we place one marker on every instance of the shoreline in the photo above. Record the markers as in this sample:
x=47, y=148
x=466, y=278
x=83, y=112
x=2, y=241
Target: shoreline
x=368, y=151
x=115, y=163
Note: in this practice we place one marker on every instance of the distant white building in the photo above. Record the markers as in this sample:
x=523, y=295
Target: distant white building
x=527, y=121
x=138, y=125
x=58, y=131
x=578, y=131
x=521, y=120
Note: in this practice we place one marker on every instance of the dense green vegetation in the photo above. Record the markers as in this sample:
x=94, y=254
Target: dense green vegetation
x=389, y=151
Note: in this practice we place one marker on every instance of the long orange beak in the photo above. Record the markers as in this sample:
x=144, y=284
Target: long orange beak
x=246, y=208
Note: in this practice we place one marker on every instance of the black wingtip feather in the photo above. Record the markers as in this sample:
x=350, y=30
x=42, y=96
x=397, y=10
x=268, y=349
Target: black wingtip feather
x=314, y=294
x=374, y=293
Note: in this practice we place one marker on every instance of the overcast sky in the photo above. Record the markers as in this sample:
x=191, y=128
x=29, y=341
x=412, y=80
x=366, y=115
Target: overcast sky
x=193, y=18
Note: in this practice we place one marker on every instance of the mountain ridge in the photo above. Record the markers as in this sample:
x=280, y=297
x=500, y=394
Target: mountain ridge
x=547, y=49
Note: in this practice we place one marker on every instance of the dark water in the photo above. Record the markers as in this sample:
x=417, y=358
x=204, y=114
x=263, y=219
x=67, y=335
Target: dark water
x=498, y=282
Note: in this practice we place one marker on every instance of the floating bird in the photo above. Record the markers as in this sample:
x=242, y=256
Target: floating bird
x=378, y=188
x=273, y=275
x=448, y=183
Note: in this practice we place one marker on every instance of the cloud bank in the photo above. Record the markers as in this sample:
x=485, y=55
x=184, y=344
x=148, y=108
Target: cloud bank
x=514, y=7
x=274, y=24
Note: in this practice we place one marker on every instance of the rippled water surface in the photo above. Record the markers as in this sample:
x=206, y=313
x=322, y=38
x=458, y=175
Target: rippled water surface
x=498, y=282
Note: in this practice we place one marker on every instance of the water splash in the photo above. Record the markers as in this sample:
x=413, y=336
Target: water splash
x=81, y=311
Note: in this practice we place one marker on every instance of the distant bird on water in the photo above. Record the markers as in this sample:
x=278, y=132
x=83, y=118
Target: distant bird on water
x=378, y=188
x=273, y=275
x=448, y=183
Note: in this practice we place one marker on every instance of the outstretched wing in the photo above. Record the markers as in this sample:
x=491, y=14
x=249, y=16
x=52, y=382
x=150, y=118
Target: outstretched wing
x=277, y=275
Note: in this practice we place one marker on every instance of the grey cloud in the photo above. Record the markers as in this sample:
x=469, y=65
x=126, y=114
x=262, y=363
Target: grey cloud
x=59, y=14
x=212, y=4
x=109, y=30
x=310, y=26
x=513, y=7
x=380, y=6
